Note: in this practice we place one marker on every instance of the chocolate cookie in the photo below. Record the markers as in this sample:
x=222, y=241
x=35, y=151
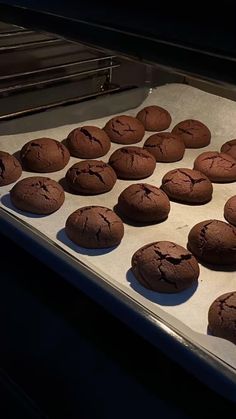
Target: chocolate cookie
x=143, y=203
x=165, y=147
x=132, y=163
x=213, y=241
x=222, y=317
x=230, y=210
x=44, y=155
x=94, y=227
x=187, y=186
x=88, y=142
x=229, y=148
x=193, y=133
x=154, y=118
x=38, y=195
x=218, y=167
x=10, y=169
x=124, y=129
x=91, y=177
x=165, y=267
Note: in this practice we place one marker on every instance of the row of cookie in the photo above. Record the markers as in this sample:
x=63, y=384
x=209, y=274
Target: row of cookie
x=95, y=177
x=140, y=202
x=128, y=163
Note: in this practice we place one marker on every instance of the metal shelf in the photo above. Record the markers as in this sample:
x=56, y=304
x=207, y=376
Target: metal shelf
x=32, y=82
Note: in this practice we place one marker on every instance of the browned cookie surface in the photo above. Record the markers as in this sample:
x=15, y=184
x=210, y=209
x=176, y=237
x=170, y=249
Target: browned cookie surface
x=187, y=186
x=94, y=227
x=214, y=242
x=165, y=267
x=230, y=210
x=222, y=317
x=91, y=177
x=124, y=129
x=229, y=148
x=143, y=203
x=10, y=169
x=154, y=118
x=38, y=195
x=88, y=142
x=44, y=155
x=194, y=133
x=165, y=147
x=218, y=167
x=132, y=163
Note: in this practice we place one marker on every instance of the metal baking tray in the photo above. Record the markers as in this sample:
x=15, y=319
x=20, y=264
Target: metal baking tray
x=166, y=321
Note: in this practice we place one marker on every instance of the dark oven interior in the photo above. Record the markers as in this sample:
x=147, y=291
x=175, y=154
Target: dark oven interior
x=40, y=71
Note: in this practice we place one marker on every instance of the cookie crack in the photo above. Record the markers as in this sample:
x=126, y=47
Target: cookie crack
x=219, y=159
x=106, y=220
x=37, y=156
x=202, y=236
x=147, y=192
x=114, y=129
x=36, y=145
x=134, y=152
x=164, y=277
x=97, y=234
x=61, y=149
x=173, y=260
x=90, y=136
x=193, y=182
x=43, y=190
x=185, y=131
x=85, y=224
x=159, y=146
x=89, y=171
x=129, y=129
x=145, y=116
x=2, y=169
x=223, y=304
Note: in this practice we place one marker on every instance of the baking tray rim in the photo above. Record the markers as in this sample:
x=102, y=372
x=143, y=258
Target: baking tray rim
x=215, y=372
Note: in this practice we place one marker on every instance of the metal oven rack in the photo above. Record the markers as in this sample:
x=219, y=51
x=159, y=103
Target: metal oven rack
x=67, y=72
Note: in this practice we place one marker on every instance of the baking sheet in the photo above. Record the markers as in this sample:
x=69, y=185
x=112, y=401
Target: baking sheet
x=186, y=311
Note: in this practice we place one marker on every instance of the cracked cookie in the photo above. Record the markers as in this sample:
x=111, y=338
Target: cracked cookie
x=132, y=163
x=88, y=142
x=10, y=169
x=165, y=267
x=143, y=203
x=193, y=133
x=165, y=147
x=91, y=177
x=94, y=227
x=44, y=155
x=154, y=118
x=214, y=242
x=230, y=210
x=124, y=129
x=229, y=148
x=38, y=195
x=222, y=317
x=218, y=167
x=187, y=186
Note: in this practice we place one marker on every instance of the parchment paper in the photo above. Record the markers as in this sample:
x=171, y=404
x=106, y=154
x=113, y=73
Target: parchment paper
x=188, y=310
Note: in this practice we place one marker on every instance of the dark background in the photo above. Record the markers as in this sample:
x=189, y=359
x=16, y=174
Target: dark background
x=76, y=361
x=208, y=25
